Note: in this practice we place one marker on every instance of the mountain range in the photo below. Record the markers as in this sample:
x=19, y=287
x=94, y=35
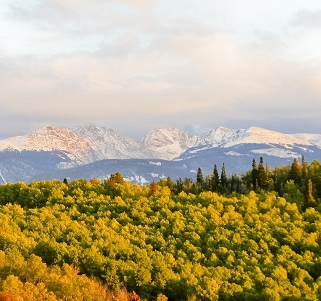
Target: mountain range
x=90, y=151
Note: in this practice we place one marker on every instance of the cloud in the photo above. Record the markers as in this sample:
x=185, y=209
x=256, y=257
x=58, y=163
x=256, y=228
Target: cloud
x=211, y=82
x=142, y=4
x=308, y=19
x=135, y=65
x=177, y=80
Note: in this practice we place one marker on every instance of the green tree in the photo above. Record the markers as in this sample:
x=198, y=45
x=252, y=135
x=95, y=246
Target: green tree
x=200, y=179
x=254, y=175
x=179, y=185
x=223, y=181
x=295, y=172
x=170, y=184
x=304, y=168
x=293, y=194
x=215, y=179
x=261, y=175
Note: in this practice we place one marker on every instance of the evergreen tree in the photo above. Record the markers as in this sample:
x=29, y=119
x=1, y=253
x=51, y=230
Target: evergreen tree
x=223, y=180
x=295, y=172
x=215, y=179
x=235, y=183
x=199, y=178
x=254, y=175
x=261, y=175
x=304, y=168
x=170, y=184
x=179, y=185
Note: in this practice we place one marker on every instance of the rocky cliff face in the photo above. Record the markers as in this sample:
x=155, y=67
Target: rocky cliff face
x=168, y=143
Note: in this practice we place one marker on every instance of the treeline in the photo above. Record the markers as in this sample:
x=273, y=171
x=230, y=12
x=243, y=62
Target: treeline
x=300, y=182
x=112, y=240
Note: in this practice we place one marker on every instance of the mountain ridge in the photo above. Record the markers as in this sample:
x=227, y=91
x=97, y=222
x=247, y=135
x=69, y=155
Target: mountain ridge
x=160, y=152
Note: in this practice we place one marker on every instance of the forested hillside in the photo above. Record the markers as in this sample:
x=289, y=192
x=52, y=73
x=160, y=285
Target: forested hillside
x=188, y=240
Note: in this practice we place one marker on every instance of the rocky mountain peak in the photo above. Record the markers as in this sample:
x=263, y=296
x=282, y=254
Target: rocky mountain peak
x=263, y=136
x=55, y=149
x=221, y=136
x=108, y=144
x=168, y=143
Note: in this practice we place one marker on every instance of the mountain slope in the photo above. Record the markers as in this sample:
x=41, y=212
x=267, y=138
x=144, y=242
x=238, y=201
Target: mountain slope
x=107, y=144
x=91, y=151
x=51, y=138
x=314, y=139
x=168, y=143
x=256, y=135
x=220, y=136
x=225, y=137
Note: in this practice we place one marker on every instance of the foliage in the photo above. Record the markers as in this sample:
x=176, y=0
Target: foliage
x=94, y=240
x=304, y=178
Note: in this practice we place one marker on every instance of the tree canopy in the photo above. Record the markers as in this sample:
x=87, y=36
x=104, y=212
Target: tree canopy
x=107, y=240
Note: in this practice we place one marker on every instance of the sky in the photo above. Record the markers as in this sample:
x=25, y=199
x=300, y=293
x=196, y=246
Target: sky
x=137, y=65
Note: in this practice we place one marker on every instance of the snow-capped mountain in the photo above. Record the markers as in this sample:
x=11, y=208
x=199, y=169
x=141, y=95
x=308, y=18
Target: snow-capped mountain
x=49, y=139
x=90, y=151
x=225, y=137
x=234, y=146
x=258, y=135
x=168, y=143
x=314, y=139
x=107, y=144
x=221, y=136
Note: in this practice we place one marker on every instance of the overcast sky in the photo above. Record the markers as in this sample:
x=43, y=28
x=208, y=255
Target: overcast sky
x=135, y=65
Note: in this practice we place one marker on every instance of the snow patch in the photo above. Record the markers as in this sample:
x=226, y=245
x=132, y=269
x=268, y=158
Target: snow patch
x=65, y=165
x=138, y=179
x=276, y=152
x=232, y=153
x=194, y=151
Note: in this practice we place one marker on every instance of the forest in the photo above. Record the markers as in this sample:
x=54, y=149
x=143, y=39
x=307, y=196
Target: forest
x=254, y=236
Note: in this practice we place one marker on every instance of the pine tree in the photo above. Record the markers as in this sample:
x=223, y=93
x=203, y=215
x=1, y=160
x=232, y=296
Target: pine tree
x=179, y=185
x=233, y=183
x=295, y=172
x=261, y=175
x=199, y=178
x=254, y=175
x=304, y=168
x=215, y=180
x=170, y=184
x=223, y=180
